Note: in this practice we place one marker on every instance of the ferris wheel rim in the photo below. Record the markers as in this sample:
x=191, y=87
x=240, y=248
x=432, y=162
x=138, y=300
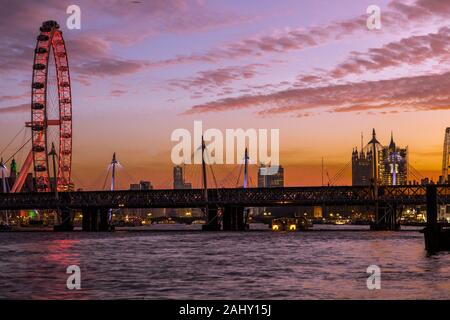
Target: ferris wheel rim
x=50, y=40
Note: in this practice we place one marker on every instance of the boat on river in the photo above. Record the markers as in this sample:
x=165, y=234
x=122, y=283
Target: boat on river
x=290, y=224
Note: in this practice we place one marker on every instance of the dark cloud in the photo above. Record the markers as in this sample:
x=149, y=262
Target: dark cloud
x=118, y=92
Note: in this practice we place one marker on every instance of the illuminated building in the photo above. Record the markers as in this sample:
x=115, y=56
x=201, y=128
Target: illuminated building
x=318, y=212
x=141, y=212
x=272, y=181
x=393, y=165
x=390, y=165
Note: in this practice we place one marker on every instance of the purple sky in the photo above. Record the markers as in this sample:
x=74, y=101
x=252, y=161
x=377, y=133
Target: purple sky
x=141, y=69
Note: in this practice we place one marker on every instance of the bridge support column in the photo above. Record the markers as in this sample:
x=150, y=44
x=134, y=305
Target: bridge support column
x=227, y=220
x=385, y=218
x=86, y=220
x=436, y=238
x=94, y=220
x=234, y=219
x=66, y=221
x=104, y=223
x=90, y=219
x=212, y=222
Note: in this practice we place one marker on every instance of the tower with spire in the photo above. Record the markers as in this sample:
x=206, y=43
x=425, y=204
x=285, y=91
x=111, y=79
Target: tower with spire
x=393, y=164
x=362, y=165
x=388, y=164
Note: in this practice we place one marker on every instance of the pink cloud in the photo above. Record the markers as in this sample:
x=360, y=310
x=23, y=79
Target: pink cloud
x=218, y=77
x=400, y=17
x=110, y=67
x=13, y=97
x=431, y=92
x=118, y=92
x=412, y=51
x=16, y=108
x=128, y=23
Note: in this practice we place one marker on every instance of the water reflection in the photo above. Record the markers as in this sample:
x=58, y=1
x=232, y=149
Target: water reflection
x=196, y=265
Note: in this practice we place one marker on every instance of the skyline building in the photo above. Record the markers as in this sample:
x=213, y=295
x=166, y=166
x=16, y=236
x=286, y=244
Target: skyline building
x=142, y=185
x=391, y=163
x=361, y=167
x=271, y=181
x=445, y=157
x=178, y=179
x=141, y=212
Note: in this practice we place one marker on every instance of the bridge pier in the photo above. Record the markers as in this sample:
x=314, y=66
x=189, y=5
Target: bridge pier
x=385, y=212
x=66, y=221
x=86, y=220
x=89, y=220
x=95, y=220
x=233, y=219
x=104, y=223
x=436, y=238
x=212, y=222
x=386, y=218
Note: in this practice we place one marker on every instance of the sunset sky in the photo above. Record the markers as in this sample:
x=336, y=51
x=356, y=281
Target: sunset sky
x=141, y=69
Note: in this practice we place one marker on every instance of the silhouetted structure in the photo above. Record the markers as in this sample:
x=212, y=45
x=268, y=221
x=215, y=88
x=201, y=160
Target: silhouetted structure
x=178, y=179
x=270, y=181
x=445, y=157
x=142, y=185
x=388, y=165
x=361, y=167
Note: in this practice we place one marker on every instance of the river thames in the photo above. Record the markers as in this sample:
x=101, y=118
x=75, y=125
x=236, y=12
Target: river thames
x=189, y=264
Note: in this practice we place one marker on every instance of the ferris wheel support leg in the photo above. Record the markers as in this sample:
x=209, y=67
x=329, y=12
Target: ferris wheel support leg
x=23, y=173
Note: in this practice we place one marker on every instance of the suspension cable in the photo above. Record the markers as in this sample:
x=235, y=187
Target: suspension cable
x=239, y=175
x=106, y=178
x=10, y=158
x=12, y=140
x=340, y=173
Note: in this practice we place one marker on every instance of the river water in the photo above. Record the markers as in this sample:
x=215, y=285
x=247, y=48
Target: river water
x=189, y=264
